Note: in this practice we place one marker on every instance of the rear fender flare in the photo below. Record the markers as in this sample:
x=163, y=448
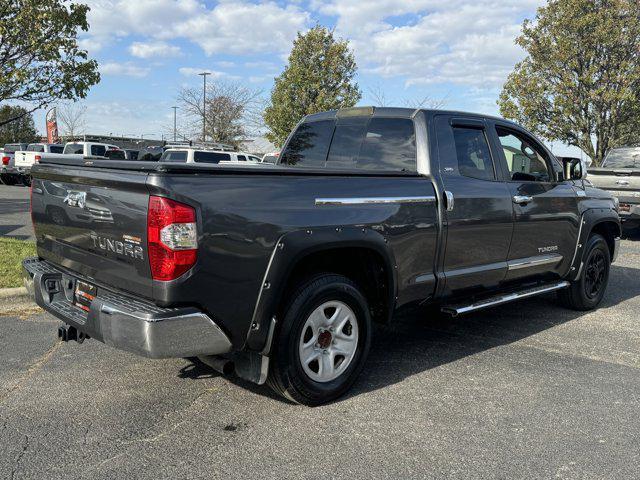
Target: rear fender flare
x=293, y=247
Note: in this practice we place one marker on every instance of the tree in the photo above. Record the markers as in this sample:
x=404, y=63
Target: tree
x=40, y=60
x=20, y=130
x=580, y=83
x=71, y=117
x=379, y=98
x=231, y=111
x=319, y=76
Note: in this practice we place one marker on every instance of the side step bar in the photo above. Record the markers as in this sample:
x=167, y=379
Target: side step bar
x=455, y=310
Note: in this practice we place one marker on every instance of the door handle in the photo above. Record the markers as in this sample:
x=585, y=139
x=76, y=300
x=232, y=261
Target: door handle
x=450, y=200
x=522, y=199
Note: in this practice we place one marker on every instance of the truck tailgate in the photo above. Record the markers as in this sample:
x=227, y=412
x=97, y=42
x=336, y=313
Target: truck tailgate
x=94, y=222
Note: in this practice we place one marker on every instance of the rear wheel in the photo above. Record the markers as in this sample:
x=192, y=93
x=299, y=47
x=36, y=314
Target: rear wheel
x=587, y=291
x=323, y=341
x=7, y=179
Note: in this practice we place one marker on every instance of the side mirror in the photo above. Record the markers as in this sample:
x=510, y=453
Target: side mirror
x=574, y=168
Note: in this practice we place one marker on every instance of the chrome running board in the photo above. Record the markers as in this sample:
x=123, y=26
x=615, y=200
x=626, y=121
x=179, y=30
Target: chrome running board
x=455, y=310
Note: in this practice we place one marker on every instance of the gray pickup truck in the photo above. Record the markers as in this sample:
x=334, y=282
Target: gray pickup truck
x=281, y=269
x=620, y=175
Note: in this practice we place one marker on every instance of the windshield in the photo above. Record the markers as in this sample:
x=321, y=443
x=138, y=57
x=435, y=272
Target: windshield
x=623, y=158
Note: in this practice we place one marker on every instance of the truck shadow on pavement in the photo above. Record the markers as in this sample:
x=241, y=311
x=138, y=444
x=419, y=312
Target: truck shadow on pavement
x=426, y=339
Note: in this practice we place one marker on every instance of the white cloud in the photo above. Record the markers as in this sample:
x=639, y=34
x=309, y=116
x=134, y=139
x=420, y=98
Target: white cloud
x=123, y=69
x=153, y=49
x=230, y=27
x=462, y=42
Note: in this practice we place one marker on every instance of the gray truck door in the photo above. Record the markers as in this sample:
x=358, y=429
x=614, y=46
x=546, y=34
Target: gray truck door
x=479, y=216
x=546, y=219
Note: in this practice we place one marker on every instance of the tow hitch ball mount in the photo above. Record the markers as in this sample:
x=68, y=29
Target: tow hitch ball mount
x=67, y=333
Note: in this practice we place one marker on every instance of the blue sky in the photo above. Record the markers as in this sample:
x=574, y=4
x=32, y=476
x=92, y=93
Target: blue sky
x=457, y=50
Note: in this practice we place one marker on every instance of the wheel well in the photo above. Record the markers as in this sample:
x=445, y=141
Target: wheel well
x=609, y=230
x=364, y=266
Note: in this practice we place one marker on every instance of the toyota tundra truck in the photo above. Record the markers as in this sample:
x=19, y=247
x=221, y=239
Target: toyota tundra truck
x=279, y=271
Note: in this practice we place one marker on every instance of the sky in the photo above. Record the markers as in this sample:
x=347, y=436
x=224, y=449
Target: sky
x=458, y=52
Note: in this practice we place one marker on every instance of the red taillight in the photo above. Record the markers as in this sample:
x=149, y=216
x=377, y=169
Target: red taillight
x=171, y=238
x=38, y=158
x=5, y=160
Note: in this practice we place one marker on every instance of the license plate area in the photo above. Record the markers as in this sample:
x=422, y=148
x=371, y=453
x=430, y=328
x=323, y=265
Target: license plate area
x=84, y=294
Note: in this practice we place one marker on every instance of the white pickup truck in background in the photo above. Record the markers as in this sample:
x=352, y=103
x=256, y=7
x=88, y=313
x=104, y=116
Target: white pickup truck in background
x=24, y=159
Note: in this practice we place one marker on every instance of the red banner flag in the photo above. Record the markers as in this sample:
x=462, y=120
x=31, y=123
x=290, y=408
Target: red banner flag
x=52, y=126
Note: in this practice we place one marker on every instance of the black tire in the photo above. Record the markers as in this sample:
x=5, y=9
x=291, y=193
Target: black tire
x=26, y=180
x=586, y=292
x=286, y=373
x=8, y=179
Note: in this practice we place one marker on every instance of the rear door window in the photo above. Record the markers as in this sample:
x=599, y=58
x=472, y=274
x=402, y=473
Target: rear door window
x=174, y=156
x=390, y=144
x=474, y=156
x=242, y=158
x=309, y=145
x=98, y=150
x=211, y=157
x=73, y=148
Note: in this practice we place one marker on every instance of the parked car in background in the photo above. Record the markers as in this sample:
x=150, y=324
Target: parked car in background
x=620, y=175
x=116, y=154
x=282, y=270
x=205, y=155
x=150, y=154
x=131, y=154
x=25, y=159
x=88, y=149
x=271, y=157
x=9, y=175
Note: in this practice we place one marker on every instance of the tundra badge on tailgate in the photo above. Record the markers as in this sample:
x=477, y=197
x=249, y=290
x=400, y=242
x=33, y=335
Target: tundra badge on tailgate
x=126, y=249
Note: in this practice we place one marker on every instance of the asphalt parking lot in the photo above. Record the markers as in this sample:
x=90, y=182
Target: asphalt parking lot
x=529, y=390
x=15, y=220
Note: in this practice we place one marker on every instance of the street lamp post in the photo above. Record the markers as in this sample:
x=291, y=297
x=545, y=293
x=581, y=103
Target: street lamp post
x=175, y=109
x=204, y=105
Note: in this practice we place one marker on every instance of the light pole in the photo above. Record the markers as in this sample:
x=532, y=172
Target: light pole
x=204, y=105
x=175, y=109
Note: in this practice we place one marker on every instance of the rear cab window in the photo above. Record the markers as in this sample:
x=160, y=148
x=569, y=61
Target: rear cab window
x=210, y=157
x=35, y=148
x=56, y=149
x=174, y=156
x=367, y=143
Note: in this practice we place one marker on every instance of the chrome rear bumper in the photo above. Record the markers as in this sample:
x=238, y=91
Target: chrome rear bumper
x=131, y=324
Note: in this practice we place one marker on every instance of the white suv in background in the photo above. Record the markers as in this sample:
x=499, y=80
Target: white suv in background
x=203, y=155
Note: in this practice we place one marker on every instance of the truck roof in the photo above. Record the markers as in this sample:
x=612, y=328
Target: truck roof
x=397, y=112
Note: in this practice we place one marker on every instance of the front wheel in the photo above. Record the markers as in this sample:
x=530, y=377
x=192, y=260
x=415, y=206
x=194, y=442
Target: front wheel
x=587, y=291
x=323, y=341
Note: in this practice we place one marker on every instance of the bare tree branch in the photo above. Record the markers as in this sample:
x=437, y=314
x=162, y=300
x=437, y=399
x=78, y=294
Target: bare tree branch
x=72, y=119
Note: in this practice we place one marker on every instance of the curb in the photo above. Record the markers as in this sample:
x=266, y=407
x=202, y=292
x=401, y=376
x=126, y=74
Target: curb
x=13, y=292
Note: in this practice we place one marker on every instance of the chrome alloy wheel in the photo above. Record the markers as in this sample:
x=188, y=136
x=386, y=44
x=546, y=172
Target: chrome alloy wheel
x=329, y=341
